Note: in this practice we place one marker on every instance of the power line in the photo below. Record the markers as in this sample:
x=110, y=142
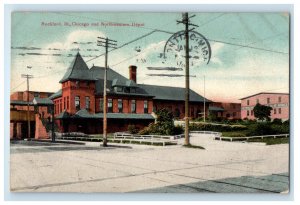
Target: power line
x=125, y=44
x=245, y=46
x=212, y=19
x=17, y=86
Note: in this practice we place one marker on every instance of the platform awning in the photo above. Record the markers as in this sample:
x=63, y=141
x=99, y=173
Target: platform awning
x=84, y=114
x=212, y=108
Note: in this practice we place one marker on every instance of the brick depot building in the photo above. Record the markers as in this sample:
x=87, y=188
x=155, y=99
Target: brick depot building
x=78, y=106
x=230, y=111
x=278, y=101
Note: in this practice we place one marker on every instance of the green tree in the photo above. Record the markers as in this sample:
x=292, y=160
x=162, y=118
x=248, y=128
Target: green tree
x=165, y=121
x=262, y=112
x=164, y=124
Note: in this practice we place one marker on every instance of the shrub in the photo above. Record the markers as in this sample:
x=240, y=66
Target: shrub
x=267, y=128
x=263, y=128
x=216, y=127
x=132, y=129
x=277, y=121
x=164, y=125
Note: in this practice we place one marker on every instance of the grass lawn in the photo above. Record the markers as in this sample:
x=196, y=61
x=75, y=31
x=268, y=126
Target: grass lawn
x=235, y=133
x=271, y=141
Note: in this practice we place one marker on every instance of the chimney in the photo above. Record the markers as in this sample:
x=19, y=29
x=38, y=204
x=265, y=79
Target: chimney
x=132, y=73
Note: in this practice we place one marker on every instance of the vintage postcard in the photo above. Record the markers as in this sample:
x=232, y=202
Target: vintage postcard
x=150, y=102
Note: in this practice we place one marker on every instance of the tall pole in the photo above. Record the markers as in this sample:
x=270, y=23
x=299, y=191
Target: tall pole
x=204, y=96
x=28, y=117
x=104, y=98
x=107, y=43
x=186, y=22
x=187, y=78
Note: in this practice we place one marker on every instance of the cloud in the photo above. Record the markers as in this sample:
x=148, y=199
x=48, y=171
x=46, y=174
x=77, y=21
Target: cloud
x=55, y=55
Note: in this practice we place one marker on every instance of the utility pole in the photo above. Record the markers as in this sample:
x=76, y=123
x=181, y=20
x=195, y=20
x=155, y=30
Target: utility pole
x=204, y=96
x=186, y=22
x=108, y=43
x=27, y=76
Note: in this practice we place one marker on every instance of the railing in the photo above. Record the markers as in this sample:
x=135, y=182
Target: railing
x=207, y=132
x=250, y=137
x=149, y=138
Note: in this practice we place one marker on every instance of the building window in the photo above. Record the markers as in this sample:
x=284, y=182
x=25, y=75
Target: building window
x=133, y=106
x=145, y=106
x=257, y=101
x=154, y=108
x=67, y=102
x=248, y=102
x=36, y=95
x=64, y=103
x=233, y=114
x=120, y=105
x=177, y=113
x=77, y=83
x=60, y=101
x=77, y=102
x=87, y=102
x=110, y=105
x=118, y=89
x=132, y=90
x=274, y=110
x=279, y=110
x=101, y=105
x=268, y=100
x=126, y=90
x=252, y=112
x=247, y=112
x=279, y=99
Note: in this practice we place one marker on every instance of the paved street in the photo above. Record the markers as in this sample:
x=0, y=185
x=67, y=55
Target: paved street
x=223, y=167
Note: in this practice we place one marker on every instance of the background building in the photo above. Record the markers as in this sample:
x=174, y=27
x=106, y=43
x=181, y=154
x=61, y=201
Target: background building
x=230, y=111
x=18, y=113
x=278, y=101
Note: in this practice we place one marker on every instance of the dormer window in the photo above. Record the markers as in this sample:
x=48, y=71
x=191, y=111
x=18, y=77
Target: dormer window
x=118, y=89
x=132, y=90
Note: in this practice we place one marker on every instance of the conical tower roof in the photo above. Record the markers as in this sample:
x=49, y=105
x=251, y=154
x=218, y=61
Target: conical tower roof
x=78, y=70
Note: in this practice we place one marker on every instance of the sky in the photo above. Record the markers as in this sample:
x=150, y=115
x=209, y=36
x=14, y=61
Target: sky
x=249, y=51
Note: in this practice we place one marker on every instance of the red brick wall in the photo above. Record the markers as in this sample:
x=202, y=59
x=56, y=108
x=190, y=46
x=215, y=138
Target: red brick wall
x=71, y=89
x=194, y=108
x=40, y=130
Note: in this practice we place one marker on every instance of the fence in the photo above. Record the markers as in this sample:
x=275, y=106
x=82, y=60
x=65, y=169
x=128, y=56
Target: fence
x=250, y=137
x=152, y=139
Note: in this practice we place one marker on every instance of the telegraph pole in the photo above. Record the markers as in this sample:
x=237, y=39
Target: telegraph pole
x=108, y=43
x=204, y=96
x=27, y=76
x=186, y=22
